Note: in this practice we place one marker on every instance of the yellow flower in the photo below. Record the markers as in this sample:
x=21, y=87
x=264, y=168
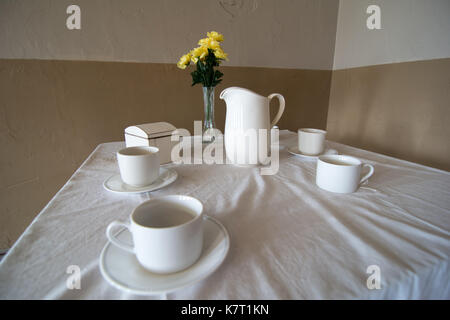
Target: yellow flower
x=198, y=53
x=209, y=43
x=215, y=36
x=184, y=61
x=220, y=54
x=181, y=66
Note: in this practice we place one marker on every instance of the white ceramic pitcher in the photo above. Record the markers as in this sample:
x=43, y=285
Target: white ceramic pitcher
x=248, y=125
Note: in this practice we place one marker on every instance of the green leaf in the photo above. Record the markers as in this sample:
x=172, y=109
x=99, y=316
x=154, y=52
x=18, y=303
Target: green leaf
x=217, y=75
x=200, y=66
x=216, y=82
x=205, y=73
x=196, y=77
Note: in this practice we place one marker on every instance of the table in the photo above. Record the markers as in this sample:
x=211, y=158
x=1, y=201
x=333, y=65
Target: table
x=289, y=239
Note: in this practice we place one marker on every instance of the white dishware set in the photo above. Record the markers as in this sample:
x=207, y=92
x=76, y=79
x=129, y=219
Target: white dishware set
x=340, y=173
x=311, y=144
x=334, y=172
x=167, y=233
x=169, y=242
x=248, y=125
x=140, y=171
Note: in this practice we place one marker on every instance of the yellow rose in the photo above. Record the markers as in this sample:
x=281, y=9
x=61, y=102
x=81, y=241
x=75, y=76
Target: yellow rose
x=209, y=43
x=181, y=66
x=199, y=53
x=203, y=42
x=184, y=61
x=215, y=36
x=220, y=54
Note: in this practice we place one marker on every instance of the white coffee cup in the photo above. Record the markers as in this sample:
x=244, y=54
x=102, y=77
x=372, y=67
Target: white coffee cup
x=167, y=233
x=139, y=166
x=341, y=173
x=311, y=142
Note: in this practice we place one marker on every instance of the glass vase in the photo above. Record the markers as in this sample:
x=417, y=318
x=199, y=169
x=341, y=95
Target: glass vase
x=208, y=123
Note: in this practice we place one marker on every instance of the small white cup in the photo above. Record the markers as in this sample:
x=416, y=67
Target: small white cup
x=340, y=173
x=139, y=166
x=167, y=233
x=311, y=142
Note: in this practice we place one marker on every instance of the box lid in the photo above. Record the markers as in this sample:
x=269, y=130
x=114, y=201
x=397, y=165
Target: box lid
x=151, y=130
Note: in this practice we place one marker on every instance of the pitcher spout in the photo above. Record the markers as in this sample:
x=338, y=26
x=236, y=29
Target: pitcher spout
x=225, y=93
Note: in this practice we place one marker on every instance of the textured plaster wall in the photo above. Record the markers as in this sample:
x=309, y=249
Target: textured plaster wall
x=390, y=93
x=263, y=33
x=53, y=112
x=398, y=109
x=411, y=30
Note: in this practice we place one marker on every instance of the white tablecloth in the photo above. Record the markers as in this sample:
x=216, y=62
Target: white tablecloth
x=289, y=239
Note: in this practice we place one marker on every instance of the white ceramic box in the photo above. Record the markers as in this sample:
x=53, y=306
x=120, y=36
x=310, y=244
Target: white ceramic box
x=155, y=134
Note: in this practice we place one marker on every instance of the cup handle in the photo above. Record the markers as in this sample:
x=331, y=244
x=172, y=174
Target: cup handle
x=369, y=174
x=114, y=240
x=280, y=109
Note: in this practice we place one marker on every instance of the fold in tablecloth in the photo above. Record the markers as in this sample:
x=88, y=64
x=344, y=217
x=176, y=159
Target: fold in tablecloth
x=289, y=239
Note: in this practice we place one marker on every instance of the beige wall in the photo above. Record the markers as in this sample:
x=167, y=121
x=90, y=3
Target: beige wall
x=262, y=33
x=389, y=93
x=399, y=109
x=411, y=30
x=54, y=111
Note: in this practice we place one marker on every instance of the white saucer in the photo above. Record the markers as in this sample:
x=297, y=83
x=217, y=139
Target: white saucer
x=122, y=270
x=294, y=150
x=115, y=183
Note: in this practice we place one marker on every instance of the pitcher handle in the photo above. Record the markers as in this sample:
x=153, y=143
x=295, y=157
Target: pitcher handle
x=280, y=109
